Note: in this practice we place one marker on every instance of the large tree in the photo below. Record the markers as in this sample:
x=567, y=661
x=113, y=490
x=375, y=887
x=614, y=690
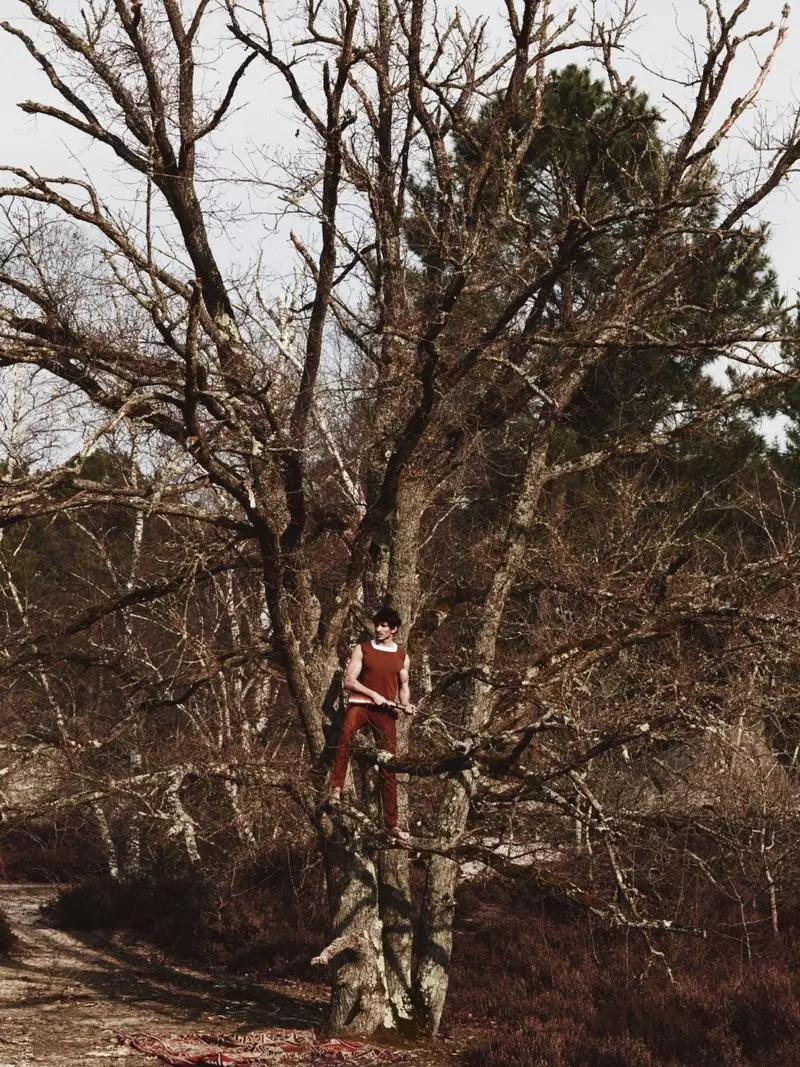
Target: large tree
x=453, y=258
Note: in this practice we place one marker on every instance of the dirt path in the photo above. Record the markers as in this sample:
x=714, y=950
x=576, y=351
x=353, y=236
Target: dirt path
x=65, y=997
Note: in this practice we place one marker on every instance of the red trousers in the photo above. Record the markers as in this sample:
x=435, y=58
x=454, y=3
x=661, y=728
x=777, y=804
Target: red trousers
x=384, y=728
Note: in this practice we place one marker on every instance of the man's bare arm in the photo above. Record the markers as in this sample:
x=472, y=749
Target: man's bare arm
x=405, y=688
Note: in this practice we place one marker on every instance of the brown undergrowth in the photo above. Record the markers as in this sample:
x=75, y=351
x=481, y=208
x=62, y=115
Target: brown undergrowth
x=264, y=917
x=556, y=988
x=51, y=851
x=560, y=990
x=7, y=939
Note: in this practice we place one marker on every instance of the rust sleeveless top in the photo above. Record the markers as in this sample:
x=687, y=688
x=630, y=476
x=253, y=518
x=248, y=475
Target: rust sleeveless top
x=380, y=672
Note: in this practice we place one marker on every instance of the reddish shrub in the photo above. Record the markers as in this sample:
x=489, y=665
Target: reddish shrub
x=8, y=939
x=51, y=851
x=529, y=1046
x=268, y=916
x=766, y=1014
x=559, y=990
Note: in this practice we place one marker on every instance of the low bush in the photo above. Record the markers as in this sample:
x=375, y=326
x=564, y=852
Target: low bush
x=51, y=851
x=560, y=990
x=8, y=939
x=267, y=916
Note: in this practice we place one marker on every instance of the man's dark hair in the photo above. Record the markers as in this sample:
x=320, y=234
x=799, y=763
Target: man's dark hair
x=389, y=616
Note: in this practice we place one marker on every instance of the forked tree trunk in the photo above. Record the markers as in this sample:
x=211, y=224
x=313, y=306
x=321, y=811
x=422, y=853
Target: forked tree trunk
x=355, y=954
x=394, y=902
x=370, y=954
x=359, y=994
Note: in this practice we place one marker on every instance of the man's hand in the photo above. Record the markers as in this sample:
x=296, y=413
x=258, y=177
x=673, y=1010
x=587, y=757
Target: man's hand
x=409, y=709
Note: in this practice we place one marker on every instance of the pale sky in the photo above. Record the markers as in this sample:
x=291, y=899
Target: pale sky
x=267, y=118
x=657, y=53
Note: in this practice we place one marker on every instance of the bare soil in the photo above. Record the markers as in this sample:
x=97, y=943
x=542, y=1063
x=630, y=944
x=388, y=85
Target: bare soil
x=65, y=998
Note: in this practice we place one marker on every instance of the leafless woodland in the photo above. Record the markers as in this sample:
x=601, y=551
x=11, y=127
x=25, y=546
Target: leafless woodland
x=476, y=389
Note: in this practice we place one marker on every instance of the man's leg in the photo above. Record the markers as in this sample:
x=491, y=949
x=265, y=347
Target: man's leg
x=355, y=717
x=385, y=728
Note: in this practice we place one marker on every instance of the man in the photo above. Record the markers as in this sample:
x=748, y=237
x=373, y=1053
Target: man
x=376, y=678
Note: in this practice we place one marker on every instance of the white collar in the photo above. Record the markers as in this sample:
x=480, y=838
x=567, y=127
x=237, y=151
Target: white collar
x=391, y=647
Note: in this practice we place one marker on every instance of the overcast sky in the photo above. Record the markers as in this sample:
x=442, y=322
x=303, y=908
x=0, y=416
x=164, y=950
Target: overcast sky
x=657, y=46
x=658, y=54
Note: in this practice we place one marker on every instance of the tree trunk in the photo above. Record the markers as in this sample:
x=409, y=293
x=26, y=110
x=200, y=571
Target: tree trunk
x=371, y=948
x=359, y=994
x=395, y=888
x=436, y=926
x=436, y=936
x=396, y=906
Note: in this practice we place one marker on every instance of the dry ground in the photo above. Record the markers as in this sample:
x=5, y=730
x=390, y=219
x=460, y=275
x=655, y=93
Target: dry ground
x=65, y=997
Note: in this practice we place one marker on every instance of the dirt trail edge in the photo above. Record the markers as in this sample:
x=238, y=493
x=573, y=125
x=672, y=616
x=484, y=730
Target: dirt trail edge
x=65, y=997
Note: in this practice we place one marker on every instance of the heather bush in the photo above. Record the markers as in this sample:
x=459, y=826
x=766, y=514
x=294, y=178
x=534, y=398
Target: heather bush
x=51, y=851
x=266, y=915
x=8, y=939
x=560, y=990
x=766, y=1015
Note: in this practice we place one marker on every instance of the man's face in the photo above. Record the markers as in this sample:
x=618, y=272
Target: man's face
x=384, y=632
